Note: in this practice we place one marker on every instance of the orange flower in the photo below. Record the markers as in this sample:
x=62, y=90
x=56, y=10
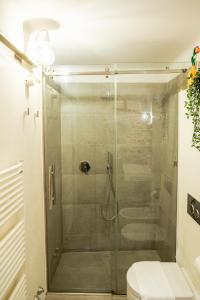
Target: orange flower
x=197, y=49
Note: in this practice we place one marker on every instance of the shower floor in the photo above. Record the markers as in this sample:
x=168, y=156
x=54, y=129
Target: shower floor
x=91, y=271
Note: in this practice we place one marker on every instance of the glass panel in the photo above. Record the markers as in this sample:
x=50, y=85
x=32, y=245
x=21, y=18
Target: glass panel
x=146, y=147
x=52, y=102
x=87, y=151
x=111, y=173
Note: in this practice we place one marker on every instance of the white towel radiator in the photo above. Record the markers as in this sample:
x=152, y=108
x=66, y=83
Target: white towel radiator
x=12, y=234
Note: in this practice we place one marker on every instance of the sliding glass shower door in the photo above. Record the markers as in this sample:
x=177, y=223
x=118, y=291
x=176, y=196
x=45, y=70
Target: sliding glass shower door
x=111, y=174
x=146, y=173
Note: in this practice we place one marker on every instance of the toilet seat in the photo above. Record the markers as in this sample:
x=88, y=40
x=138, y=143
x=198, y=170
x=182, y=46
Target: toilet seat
x=172, y=284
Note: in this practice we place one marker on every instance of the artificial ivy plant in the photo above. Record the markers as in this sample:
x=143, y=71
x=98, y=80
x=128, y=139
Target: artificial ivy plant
x=192, y=103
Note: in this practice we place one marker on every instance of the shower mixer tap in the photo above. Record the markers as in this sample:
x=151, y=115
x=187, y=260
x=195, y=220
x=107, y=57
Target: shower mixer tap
x=84, y=166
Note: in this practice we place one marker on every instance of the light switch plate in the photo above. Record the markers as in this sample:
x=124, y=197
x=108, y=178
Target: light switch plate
x=193, y=208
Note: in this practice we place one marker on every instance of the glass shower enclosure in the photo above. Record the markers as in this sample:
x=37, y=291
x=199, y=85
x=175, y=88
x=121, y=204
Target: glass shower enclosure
x=111, y=172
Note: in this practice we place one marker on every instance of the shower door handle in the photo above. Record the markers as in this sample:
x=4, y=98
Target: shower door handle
x=52, y=189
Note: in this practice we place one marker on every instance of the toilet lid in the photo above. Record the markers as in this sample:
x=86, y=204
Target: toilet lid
x=158, y=280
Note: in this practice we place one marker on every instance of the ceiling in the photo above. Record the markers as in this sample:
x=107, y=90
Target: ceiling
x=109, y=31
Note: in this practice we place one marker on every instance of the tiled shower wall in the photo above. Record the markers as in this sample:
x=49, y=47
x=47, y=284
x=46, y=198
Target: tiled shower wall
x=87, y=133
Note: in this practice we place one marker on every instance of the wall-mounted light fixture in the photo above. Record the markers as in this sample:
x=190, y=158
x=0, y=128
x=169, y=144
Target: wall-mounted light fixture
x=37, y=44
x=39, y=48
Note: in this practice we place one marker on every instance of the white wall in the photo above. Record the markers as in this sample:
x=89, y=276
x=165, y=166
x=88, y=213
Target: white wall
x=188, y=182
x=21, y=139
x=10, y=22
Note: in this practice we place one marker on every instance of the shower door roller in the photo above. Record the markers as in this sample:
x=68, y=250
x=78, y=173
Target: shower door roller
x=84, y=166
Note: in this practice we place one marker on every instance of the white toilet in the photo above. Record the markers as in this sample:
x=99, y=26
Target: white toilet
x=155, y=280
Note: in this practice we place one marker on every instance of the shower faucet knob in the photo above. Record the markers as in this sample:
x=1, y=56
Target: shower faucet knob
x=84, y=166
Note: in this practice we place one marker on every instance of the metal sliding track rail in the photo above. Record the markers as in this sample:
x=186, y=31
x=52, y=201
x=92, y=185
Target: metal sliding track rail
x=166, y=70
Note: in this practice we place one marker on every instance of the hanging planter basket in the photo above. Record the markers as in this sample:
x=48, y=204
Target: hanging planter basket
x=192, y=104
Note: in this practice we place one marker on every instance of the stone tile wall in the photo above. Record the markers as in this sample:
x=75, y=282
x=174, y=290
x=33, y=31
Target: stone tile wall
x=139, y=126
x=87, y=133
